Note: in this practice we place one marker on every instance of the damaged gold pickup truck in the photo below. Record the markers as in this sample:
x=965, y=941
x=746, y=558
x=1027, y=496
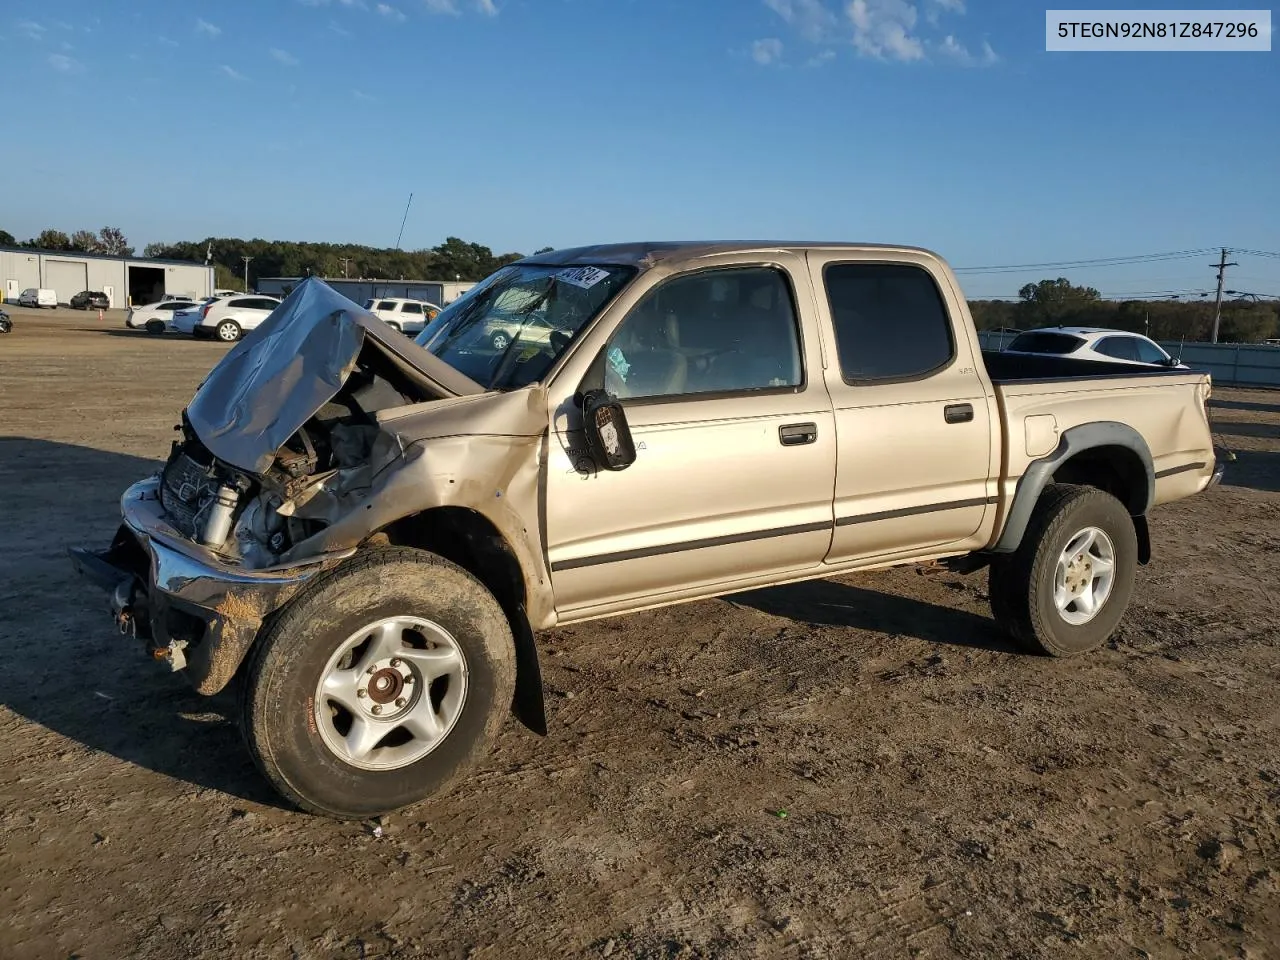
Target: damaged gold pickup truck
x=366, y=532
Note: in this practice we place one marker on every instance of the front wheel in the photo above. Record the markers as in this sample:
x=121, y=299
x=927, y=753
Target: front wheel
x=379, y=685
x=228, y=331
x=1067, y=586
x=500, y=340
x=155, y=326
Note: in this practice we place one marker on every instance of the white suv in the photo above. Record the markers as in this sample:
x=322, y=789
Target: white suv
x=224, y=318
x=399, y=313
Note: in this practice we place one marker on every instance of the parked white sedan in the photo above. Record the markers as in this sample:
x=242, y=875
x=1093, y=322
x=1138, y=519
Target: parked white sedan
x=1093, y=343
x=224, y=318
x=155, y=317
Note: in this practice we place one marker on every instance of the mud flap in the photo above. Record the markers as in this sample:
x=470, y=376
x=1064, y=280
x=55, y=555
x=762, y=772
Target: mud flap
x=527, y=705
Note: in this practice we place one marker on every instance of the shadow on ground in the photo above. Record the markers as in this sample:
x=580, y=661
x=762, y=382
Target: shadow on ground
x=1254, y=469
x=833, y=603
x=54, y=626
x=1244, y=405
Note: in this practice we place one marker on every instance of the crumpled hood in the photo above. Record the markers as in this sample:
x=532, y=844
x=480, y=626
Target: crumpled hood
x=292, y=364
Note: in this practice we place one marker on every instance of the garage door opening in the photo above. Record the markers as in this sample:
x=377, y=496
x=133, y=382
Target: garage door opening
x=146, y=285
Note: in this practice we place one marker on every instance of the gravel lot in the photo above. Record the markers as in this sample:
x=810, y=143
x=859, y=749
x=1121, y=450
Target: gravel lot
x=944, y=796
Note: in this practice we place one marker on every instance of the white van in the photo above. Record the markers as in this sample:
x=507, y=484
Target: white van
x=32, y=297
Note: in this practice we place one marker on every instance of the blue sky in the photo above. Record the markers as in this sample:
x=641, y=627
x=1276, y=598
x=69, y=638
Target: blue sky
x=523, y=123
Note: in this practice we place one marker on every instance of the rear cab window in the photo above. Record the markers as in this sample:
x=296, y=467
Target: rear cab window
x=890, y=322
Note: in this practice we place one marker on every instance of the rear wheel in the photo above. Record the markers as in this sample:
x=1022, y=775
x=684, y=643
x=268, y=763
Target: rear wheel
x=500, y=340
x=379, y=685
x=228, y=331
x=155, y=326
x=1067, y=586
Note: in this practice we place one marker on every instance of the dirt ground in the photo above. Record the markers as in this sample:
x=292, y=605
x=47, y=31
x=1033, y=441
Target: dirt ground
x=944, y=796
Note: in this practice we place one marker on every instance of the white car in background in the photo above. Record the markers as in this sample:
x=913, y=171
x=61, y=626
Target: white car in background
x=1093, y=343
x=403, y=314
x=155, y=317
x=224, y=318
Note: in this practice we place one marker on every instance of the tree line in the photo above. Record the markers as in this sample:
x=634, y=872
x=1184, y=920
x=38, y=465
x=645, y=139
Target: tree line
x=455, y=259
x=109, y=240
x=1046, y=303
x=1059, y=302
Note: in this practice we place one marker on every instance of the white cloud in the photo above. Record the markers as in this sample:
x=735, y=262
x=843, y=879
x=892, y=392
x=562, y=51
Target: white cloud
x=208, y=29
x=766, y=51
x=390, y=12
x=31, y=30
x=284, y=56
x=889, y=30
x=339, y=29
x=64, y=64
x=233, y=74
x=361, y=95
x=487, y=7
x=812, y=19
x=442, y=6
x=169, y=42
x=883, y=29
x=818, y=59
x=953, y=50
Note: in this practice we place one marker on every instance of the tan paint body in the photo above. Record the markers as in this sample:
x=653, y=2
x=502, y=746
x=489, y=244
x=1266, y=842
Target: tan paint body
x=710, y=471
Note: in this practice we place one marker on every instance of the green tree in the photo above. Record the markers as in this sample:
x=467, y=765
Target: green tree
x=1053, y=302
x=85, y=240
x=7, y=239
x=112, y=241
x=50, y=239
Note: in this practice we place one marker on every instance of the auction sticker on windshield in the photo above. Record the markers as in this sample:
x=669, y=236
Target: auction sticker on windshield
x=584, y=277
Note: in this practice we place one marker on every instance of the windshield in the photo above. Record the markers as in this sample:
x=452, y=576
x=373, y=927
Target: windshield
x=509, y=329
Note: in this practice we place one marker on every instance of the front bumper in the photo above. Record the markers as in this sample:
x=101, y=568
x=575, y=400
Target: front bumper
x=194, y=609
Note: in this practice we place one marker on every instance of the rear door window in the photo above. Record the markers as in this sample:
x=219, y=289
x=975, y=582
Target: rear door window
x=411, y=308
x=890, y=321
x=1121, y=348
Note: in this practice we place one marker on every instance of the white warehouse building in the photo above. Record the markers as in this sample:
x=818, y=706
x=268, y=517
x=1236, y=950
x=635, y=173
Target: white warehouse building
x=125, y=280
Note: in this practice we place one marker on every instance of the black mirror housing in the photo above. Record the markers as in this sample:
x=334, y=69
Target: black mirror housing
x=608, y=436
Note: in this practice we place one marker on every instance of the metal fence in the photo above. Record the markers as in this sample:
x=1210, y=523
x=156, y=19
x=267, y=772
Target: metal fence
x=1230, y=364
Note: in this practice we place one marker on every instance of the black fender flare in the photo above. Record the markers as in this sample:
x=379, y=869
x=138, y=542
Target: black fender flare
x=1075, y=440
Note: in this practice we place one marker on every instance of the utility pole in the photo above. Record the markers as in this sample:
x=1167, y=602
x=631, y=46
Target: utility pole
x=1217, y=303
x=246, y=272
x=344, y=261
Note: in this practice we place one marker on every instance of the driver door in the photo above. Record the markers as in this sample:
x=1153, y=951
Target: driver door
x=720, y=376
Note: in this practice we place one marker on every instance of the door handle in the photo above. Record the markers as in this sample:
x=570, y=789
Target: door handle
x=958, y=412
x=794, y=434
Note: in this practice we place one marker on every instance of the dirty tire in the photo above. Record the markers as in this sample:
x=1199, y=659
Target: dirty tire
x=1022, y=583
x=285, y=666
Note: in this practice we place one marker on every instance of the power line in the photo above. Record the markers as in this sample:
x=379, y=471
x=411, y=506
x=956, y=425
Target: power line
x=1096, y=262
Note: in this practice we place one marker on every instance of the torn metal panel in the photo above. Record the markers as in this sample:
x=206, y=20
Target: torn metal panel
x=283, y=371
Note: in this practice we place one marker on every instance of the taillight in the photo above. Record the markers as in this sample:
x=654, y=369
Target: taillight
x=204, y=311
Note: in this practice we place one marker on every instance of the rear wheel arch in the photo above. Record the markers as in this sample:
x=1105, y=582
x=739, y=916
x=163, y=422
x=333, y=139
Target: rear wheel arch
x=471, y=540
x=1108, y=455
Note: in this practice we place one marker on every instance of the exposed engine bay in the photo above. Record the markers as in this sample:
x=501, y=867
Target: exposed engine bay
x=324, y=470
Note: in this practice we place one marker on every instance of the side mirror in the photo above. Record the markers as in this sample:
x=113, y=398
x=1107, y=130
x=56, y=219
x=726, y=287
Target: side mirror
x=608, y=436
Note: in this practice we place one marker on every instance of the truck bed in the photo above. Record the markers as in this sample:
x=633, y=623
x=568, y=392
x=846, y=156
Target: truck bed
x=1021, y=367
